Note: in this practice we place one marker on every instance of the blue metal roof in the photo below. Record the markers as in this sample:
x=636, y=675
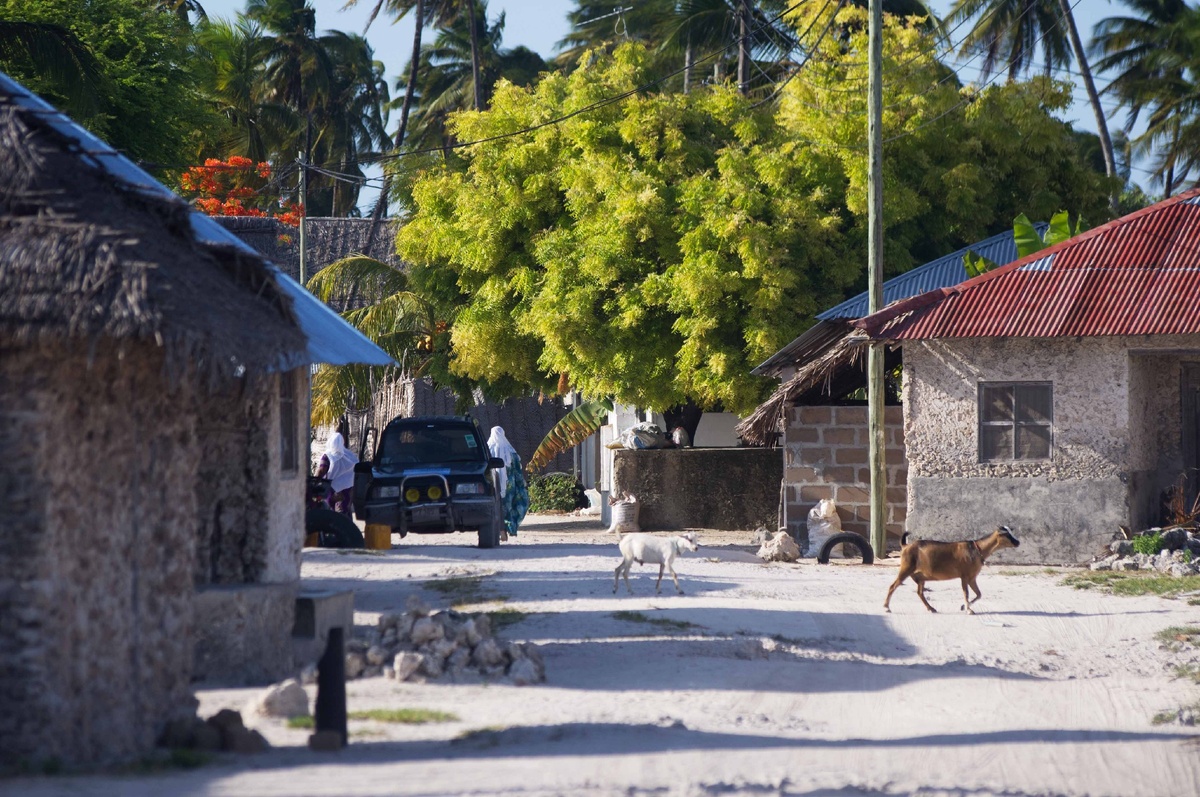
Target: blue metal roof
x=941, y=273
x=330, y=339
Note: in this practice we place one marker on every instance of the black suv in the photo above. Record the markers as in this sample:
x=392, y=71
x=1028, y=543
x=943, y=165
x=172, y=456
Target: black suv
x=431, y=476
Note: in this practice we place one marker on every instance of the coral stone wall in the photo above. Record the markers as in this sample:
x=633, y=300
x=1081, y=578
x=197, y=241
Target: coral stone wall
x=704, y=488
x=1115, y=438
x=825, y=455
x=251, y=507
x=97, y=551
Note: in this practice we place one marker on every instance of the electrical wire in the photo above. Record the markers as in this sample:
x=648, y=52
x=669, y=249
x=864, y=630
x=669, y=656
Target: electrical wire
x=587, y=108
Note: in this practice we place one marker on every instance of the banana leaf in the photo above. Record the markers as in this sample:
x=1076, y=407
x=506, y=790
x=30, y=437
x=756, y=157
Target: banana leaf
x=576, y=426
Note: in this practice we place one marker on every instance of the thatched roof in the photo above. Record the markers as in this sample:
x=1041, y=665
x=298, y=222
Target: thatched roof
x=836, y=369
x=92, y=248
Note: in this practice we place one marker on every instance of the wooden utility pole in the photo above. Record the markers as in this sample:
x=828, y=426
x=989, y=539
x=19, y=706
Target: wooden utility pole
x=875, y=398
x=743, y=66
x=303, y=212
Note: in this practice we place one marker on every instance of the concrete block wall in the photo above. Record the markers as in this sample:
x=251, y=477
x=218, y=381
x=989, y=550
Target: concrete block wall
x=825, y=455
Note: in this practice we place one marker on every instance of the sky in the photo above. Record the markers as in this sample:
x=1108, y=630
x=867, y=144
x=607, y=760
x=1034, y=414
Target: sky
x=540, y=24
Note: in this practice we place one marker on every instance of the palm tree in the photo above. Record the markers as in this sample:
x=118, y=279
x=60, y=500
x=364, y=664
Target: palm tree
x=350, y=117
x=681, y=31
x=1154, y=55
x=1010, y=32
x=74, y=75
x=402, y=323
x=447, y=81
x=298, y=69
x=231, y=60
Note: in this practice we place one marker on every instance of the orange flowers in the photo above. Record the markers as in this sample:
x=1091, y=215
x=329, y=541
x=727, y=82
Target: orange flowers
x=237, y=187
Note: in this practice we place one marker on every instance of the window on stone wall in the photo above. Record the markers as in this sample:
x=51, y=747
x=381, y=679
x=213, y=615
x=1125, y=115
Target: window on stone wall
x=289, y=443
x=1016, y=421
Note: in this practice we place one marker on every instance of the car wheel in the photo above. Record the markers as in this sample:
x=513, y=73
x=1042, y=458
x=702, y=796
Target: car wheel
x=332, y=529
x=857, y=540
x=489, y=535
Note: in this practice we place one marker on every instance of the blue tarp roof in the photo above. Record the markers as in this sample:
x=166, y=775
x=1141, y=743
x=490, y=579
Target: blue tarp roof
x=330, y=339
x=941, y=273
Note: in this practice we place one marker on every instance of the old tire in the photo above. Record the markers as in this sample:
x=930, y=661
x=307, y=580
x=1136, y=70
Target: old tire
x=333, y=529
x=849, y=537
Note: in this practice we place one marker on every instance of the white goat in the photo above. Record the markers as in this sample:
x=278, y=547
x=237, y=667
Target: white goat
x=643, y=548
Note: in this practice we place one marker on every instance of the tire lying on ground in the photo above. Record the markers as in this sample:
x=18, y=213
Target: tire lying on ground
x=848, y=537
x=331, y=530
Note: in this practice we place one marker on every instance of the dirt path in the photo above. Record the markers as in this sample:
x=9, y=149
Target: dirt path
x=761, y=679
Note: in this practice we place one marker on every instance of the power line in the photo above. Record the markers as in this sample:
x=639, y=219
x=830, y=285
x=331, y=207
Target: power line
x=587, y=108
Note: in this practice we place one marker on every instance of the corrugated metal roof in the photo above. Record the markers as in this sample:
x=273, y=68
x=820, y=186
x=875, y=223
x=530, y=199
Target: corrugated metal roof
x=943, y=272
x=946, y=270
x=330, y=339
x=1137, y=275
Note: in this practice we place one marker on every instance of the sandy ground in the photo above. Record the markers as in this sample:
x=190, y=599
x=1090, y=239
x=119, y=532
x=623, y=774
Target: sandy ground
x=1046, y=691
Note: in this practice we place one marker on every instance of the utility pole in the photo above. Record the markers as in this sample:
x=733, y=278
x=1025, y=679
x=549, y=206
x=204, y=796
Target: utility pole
x=303, y=212
x=875, y=353
x=743, y=67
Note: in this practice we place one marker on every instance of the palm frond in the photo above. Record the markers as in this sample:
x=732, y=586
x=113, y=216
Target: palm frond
x=357, y=276
x=576, y=426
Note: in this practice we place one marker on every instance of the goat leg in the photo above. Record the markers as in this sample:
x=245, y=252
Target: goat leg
x=658, y=584
x=921, y=595
x=617, y=577
x=966, y=597
x=676, y=580
x=975, y=588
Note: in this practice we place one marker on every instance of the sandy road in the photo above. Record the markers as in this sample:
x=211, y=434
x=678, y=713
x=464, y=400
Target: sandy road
x=761, y=679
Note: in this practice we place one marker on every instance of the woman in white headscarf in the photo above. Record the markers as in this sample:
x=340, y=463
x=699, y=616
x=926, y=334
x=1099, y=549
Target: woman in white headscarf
x=337, y=465
x=514, y=494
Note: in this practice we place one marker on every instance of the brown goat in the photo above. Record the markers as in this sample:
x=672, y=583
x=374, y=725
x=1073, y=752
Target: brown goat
x=929, y=560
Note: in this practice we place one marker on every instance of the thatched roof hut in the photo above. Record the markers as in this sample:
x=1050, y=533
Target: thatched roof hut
x=153, y=396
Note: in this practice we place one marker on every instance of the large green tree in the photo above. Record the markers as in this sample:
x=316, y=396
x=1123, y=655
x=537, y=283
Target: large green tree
x=656, y=248
x=133, y=54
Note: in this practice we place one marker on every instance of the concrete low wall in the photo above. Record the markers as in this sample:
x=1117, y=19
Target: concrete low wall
x=243, y=633
x=714, y=488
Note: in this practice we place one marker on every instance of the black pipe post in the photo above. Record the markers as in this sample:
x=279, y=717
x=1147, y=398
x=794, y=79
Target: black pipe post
x=331, y=687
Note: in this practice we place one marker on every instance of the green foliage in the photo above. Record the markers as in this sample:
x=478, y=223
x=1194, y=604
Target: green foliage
x=655, y=249
x=148, y=103
x=575, y=427
x=976, y=264
x=1135, y=583
x=1029, y=241
x=552, y=492
x=661, y=622
x=1148, y=544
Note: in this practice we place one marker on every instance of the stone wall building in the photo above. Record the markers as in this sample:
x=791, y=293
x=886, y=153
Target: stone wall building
x=1057, y=395
x=152, y=375
x=818, y=418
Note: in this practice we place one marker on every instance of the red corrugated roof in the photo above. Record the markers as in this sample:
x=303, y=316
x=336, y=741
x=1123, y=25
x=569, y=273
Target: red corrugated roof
x=1138, y=275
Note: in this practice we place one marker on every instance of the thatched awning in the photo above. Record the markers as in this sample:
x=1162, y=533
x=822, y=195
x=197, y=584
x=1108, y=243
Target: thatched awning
x=838, y=353
x=92, y=248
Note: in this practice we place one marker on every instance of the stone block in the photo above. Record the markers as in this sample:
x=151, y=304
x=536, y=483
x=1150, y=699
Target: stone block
x=816, y=455
x=811, y=493
x=243, y=633
x=839, y=435
x=842, y=475
x=317, y=611
x=850, y=416
x=802, y=434
x=849, y=494
x=815, y=415
x=800, y=474
x=854, y=455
